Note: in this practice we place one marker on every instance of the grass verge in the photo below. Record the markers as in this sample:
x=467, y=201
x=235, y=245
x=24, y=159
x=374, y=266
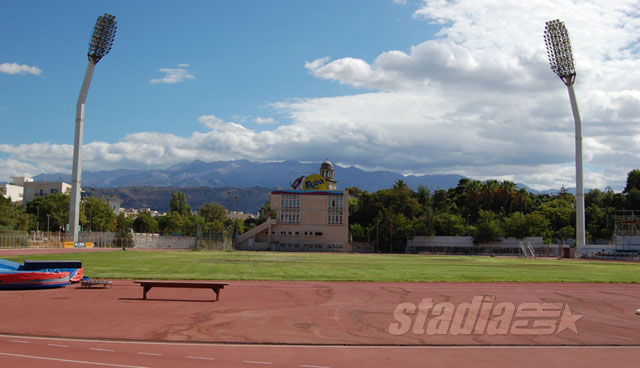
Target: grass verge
x=215, y=265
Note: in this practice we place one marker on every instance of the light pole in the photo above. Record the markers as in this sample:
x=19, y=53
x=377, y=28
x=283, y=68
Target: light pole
x=103, y=34
x=560, y=55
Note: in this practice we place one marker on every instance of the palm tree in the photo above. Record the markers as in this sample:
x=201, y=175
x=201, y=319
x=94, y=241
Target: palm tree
x=400, y=185
x=506, y=195
x=490, y=193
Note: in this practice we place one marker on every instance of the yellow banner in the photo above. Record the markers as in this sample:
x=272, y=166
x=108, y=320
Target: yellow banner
x=314, y=182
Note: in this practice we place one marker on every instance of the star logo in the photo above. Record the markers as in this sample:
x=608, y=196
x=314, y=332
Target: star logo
x=568, y=320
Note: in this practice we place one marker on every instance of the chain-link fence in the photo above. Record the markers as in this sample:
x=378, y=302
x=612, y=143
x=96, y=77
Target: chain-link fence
x=14, y=239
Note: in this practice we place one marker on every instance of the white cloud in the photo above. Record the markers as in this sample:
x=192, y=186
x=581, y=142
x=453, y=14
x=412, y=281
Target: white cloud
x=492, y=107
x=14, y=68
x=263, y=121
x=173, y=75
x=479, y=100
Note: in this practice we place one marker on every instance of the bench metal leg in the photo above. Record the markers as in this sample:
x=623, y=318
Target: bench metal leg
x=217, y=291
x=144, y=293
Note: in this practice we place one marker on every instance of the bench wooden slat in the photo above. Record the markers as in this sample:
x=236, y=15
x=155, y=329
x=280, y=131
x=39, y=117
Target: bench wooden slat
x=148, y=284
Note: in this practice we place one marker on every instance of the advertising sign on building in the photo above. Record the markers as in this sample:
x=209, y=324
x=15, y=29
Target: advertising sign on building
x=314, y=182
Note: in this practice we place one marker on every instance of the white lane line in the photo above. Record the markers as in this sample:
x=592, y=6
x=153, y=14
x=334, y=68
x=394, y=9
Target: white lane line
x=58, y=345
x=20, y=342
x=197, y=357
x=341, y=347
x=154, y=354
x=97, y=349
x=254, y=362
x=312, y=366
x=72, y=361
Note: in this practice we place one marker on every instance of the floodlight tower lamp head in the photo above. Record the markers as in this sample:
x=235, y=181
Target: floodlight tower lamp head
x=104, y=33
x=559, y=51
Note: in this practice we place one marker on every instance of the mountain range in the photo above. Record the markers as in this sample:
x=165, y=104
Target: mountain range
x=249, y=181
x=245, y=174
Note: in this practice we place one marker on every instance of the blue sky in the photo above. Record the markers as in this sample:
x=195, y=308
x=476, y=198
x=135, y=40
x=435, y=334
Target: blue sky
x=242, y=55
x=418, y=87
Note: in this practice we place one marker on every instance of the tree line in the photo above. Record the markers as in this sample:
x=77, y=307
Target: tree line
x=51, y=213
x=484, y=210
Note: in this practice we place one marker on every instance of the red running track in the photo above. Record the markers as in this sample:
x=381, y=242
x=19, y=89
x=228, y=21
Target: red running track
x=309, y=324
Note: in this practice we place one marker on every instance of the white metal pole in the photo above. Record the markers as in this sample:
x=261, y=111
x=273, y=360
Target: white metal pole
x=580, y=227
x=74, y=207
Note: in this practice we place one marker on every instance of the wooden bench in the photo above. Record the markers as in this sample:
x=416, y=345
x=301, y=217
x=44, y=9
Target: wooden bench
x=148, y=284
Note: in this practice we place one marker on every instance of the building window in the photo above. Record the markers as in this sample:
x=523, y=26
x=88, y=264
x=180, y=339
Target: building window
x=335, y=210
x=290, y=209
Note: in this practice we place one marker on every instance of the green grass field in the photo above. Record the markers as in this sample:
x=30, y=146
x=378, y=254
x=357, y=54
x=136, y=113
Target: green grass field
x=215, y=265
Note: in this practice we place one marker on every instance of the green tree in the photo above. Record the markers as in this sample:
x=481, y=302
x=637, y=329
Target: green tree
x=145, y=223
x=597, y=221
x=96, y=215
x=488, y=228
x=424, y=197
x=213, y=211
x=265, y=210
x=633, y=181
x=214, y=227
x=520, y=226
x=13, y=216
x=178, y=204
x=56, y=206
x=567, y=232
x=124, y=238
x=124, y=223
x=633, y=199
x=559, y=212
x=449, y=224
x=441, y=201
x=172, y=224
x=238, y=226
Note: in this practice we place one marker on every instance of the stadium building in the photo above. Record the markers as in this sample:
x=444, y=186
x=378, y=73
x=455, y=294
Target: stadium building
x=311, y=216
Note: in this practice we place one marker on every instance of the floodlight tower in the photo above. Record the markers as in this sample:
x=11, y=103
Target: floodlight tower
x=558, y=44
x=101, y=41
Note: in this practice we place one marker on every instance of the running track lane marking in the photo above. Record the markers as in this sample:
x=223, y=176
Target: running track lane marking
x=254, y=362
x=71, y=361
x=202, y=358
x=289, y=346
x=58, y=345
x=153, y=354
x=20, y=342
x=107, y=350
